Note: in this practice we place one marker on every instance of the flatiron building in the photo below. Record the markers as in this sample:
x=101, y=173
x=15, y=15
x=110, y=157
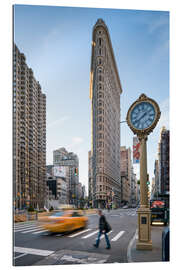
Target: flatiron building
x=105, y=91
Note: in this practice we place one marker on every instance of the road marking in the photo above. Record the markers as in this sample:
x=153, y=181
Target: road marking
x=114, y=215
x=118, y=236
x=24, y=225
x=32, y=230
x=33, y=251
x=40, y=232
x=73, y=235
x=89, y=235
x=24, y=229
x=22, y=255
x=129, y=257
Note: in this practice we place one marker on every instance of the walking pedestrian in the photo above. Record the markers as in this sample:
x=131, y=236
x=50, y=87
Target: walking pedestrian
x=104, y=227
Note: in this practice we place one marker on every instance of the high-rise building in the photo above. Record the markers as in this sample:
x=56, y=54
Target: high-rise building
x=133, y=194
x=164, y=161
x=90, y=179
x=156, y=179
x=105, y=90
x=126, y=174
x=29, y=136
x=61, y=157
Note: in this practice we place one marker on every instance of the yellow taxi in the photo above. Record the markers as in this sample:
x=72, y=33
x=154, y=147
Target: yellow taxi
x=65, y=221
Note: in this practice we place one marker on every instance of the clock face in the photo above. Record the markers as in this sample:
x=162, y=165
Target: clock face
x=143, y=115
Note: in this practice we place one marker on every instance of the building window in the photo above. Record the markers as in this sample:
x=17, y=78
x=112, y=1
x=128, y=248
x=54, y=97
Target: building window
x=99, y=70
x=100, y=95
x=100, y=103
x=100, y=119
x=100, y=111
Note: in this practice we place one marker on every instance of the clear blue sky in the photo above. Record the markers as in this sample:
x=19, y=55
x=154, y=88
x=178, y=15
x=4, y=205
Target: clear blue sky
x=57, y=45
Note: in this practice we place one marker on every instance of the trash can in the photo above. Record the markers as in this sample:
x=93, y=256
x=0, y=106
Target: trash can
x=165, y=244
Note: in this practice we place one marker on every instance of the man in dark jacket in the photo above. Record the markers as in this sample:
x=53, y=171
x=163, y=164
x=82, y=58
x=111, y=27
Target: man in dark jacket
x=103, y=228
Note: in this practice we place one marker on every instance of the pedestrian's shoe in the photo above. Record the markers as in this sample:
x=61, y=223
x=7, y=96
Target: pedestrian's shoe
x=108, y=247
x=95, y=245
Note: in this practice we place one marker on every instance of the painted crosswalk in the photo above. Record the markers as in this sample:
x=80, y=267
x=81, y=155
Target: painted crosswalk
x=28, y=228
x=84, y=234
x=115, y=238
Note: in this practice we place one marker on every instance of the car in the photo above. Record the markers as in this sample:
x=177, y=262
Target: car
x=65, y=221
x=125, y=207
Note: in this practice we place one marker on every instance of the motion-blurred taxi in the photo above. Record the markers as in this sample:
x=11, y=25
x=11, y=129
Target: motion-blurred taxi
x=65, y=221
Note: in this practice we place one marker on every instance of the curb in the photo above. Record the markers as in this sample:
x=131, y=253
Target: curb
x=129, y=257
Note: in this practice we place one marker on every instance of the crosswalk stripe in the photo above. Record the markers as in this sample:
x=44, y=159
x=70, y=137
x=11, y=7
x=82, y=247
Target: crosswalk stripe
x=89, y=235
x=32, y=230
x=24, y=223
x=40, y=232
x=33, y=251
x=24, y=226
x=118, y=236
x=21, y=255
x=73, y=235
x=24, y=229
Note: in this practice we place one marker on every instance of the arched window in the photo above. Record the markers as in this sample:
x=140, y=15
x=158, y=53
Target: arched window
x=99, y=70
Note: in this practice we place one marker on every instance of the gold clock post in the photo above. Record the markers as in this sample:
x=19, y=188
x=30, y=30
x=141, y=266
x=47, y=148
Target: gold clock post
x=144, y=214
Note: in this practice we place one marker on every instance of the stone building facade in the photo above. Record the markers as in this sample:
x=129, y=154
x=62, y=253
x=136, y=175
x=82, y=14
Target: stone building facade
x=126, y=175
x=164, y=162
x=105, y=90
x=61, y=157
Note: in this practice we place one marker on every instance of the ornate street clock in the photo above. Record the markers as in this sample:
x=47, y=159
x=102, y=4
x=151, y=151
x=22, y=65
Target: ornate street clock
x=142, y=118
x=143, y=115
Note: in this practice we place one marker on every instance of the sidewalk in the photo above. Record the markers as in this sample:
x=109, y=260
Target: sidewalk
x=154, y=255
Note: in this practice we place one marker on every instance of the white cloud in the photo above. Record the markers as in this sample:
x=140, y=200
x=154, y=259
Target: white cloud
x=77, y=141
x=58, y=122
x=160, y=22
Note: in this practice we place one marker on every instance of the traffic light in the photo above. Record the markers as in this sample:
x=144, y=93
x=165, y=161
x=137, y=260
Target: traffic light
x=148, y=183
x=76, y=171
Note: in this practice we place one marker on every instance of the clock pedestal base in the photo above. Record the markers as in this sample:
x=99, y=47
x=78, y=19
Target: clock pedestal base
x=144, y=229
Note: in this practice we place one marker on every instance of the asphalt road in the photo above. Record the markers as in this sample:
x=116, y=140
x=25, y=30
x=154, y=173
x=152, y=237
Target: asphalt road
x=33, y=246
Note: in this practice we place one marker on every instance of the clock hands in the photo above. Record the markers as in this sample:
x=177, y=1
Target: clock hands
x=140, y=117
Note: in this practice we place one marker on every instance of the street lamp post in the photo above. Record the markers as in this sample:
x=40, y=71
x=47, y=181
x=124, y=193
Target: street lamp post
x=142, y=118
